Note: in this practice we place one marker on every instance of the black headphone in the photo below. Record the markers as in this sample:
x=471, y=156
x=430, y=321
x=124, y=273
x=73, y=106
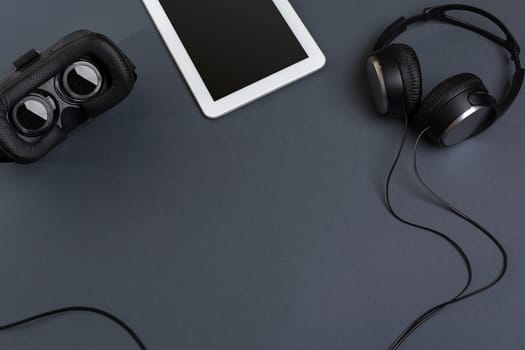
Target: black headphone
x=458, y=108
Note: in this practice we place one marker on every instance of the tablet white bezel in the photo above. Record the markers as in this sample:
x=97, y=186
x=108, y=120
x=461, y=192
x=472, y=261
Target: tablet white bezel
x=214, y=109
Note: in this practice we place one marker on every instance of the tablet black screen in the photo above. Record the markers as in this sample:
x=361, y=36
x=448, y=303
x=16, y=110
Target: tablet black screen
x=234, y=43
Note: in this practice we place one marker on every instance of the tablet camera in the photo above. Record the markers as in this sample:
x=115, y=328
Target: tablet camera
x=82, y=80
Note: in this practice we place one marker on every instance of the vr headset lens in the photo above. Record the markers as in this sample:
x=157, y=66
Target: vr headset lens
x=33, y=115
x=82, y=80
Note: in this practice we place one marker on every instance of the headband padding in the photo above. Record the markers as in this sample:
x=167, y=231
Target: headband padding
x=444, y=93
x=408, y=62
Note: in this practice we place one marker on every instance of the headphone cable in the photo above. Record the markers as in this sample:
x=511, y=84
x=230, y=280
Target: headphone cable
x=429, y=314
x=103, y=313
x=434, y=311
x=443, y=236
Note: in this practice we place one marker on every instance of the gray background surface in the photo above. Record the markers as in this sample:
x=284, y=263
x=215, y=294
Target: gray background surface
x=265, y=229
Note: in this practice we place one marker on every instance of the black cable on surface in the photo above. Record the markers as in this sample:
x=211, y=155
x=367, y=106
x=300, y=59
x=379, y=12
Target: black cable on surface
x=429, y=314
x=103, y=313
x=434, y=311
x=450, y=241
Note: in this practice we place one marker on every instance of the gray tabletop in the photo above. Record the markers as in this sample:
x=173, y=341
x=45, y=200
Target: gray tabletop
x=265, y=229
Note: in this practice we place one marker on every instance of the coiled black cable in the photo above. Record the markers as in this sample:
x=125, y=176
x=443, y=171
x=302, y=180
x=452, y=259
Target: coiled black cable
x=463, y=295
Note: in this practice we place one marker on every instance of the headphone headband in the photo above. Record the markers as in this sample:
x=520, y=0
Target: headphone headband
x=439, y=14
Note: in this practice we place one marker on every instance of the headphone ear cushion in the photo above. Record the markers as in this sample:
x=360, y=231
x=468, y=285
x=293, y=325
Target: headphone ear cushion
x=410, y=69
x=444, y=93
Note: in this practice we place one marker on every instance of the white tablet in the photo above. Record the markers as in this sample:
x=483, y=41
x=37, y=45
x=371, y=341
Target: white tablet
x=232, y=52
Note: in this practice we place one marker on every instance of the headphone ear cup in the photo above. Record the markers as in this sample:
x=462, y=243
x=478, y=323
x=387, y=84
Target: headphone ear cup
x=395, y=80
x=456, y=109
x=410, y=69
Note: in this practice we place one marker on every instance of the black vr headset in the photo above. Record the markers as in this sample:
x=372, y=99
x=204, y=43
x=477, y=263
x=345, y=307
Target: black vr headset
x=52, y=93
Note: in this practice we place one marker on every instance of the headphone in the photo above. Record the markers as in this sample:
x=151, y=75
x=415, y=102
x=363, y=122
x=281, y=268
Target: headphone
x=457, y=109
